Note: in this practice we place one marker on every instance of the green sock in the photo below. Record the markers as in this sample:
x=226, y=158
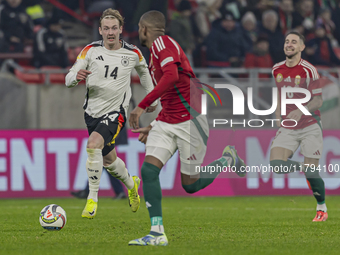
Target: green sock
x=316, y=184
x=152, y=189
x=205, y=179
x=156, y=221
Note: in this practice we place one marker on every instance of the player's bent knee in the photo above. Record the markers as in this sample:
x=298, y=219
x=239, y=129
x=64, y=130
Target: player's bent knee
x=191, y=188
x=94, y=145
x=94, y=157
x=94, y=154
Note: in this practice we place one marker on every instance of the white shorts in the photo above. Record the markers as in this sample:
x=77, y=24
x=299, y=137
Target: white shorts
x=188, y=137
x=310, y=138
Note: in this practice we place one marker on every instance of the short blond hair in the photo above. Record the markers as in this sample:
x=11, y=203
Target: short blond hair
x=111, y=14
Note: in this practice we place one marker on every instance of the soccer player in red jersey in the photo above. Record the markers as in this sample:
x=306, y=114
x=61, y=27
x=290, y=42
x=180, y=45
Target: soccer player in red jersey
x=307, y=132
x=179, y=126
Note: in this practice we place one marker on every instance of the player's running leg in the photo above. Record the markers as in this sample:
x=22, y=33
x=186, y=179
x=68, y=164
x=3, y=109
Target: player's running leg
x=116, y=167
x=279, y=162
x=192, y=184
x=153, y=199
x=192, y=148
x=315, y=182
x=153, y=194
x=94, y=168
x=160, y=146
x=311, y=148
x=317, y=185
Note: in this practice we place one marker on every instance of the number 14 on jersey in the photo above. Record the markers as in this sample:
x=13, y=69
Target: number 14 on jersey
x=113, y=73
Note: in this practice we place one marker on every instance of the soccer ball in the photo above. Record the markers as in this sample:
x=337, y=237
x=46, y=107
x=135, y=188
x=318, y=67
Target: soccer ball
x=52, y=217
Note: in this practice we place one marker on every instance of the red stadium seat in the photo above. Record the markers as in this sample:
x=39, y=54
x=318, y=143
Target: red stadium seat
x=58, y=78
x=26, y=61
x=218, y=63
x=29, y=78
x=73, y=54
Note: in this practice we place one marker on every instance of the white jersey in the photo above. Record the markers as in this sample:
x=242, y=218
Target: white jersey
x=108, y=85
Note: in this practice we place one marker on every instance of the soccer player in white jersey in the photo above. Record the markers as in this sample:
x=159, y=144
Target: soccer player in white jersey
x=307, y=133
x=106, y=66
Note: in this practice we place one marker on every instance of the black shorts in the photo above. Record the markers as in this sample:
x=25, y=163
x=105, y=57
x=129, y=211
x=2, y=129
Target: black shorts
x=108, y=126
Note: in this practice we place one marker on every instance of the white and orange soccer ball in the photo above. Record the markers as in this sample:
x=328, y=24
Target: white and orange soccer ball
x=52, y=217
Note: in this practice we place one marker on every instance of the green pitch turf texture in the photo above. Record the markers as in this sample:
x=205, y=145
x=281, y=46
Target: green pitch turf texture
x=230, y=225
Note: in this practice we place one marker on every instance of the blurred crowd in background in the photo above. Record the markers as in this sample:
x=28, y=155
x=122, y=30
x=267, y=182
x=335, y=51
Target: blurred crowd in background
x=213, y=33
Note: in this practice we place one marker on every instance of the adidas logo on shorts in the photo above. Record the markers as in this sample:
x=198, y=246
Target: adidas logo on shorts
x=192, y=157
x=317, y=153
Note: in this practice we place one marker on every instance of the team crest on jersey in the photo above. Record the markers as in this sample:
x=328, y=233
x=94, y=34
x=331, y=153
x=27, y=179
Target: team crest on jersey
x=125, y=61
x=279, y=77
x=297, y=80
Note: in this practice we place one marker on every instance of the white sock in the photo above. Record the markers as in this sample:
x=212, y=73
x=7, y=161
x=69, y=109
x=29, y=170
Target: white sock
x=94, y=168
x=117, y=169
x=157, y=228
x=157, y=224
x=322, y=207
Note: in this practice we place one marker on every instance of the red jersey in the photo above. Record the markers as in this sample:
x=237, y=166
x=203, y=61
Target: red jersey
x=166, y=53
x=303, y=75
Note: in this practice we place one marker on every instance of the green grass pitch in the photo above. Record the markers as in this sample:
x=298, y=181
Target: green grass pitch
x=225, y=225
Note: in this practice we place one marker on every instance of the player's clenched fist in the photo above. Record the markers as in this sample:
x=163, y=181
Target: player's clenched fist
x=82, y=74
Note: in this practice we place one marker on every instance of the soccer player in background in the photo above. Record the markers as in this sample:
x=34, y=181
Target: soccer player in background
x=179, y=126
x=296, y=72
x=106, y=66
